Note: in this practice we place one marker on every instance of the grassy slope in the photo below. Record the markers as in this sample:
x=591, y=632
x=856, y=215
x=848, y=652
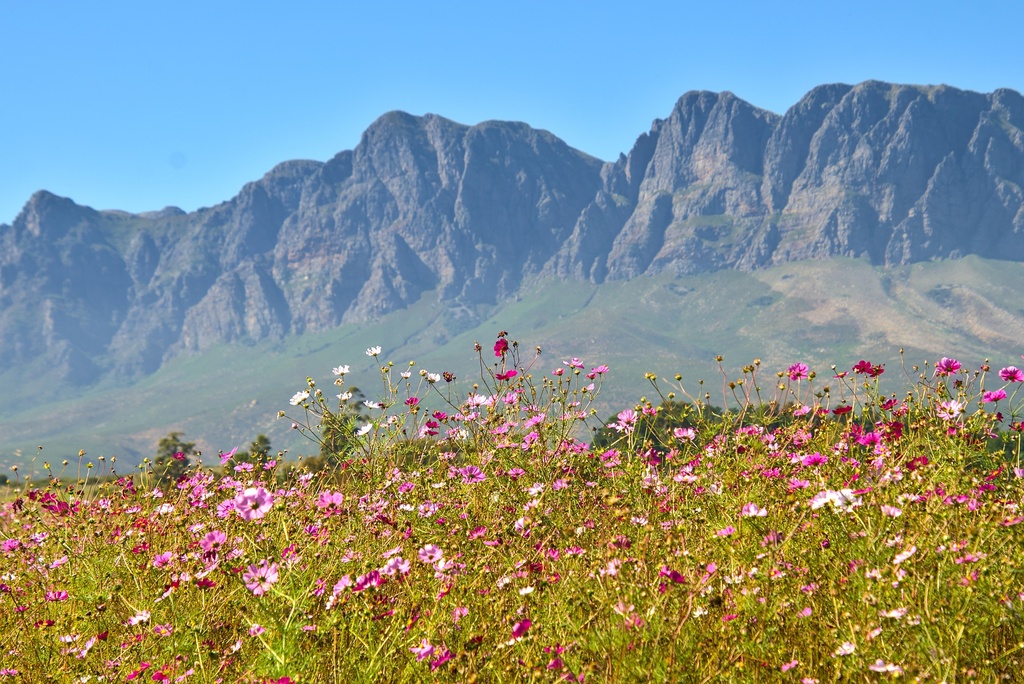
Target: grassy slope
x=823, y=313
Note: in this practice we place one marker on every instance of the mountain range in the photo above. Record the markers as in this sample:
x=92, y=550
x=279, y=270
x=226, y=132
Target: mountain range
x=476, y=217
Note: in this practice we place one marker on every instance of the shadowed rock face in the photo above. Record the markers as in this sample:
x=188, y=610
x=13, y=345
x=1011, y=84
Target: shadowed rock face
x=892, y=173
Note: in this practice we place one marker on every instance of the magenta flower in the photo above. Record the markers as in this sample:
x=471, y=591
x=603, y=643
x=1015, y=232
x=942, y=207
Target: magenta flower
x=947, y=366
x=425, y=649
x=798, y=371
x=727, y=531
x=212, y=542
x=992, y=397
x=431, y=554
x=162, y=559
x=259, y=578
x=519, y=629
x=685, y=434
x=813, y=459
x=253, y=503
x=471, y=474
x=1011, y=374
x=330, y=502
x=752, y=510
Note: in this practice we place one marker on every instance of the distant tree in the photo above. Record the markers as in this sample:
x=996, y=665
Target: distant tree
x=257, y=453
x=3, y=480
x=172, y=457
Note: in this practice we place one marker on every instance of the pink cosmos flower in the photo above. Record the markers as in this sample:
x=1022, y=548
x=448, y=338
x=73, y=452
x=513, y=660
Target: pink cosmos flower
x=212, y=542
x=685, y=434
x=573, y=363
x=162, y=559
x=471, y=474
x=752, y=510
x=949, y=410
x=627, y=421
x=431, y=554
x=726, y=531
x=395, y=565
x=330, y=502
x=259, y=578
x=994, y=396
x=798, y=371
x=1011, y=374
x=519, y=629
x=253, y=503
x=947, y=366
x=425, y=649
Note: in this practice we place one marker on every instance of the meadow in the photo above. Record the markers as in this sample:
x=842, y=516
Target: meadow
x=791, y=525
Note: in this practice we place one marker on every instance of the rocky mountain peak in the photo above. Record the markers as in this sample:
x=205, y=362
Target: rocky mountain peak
x=473, y=214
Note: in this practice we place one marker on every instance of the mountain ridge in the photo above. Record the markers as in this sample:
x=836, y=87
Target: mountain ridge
x=891, y=173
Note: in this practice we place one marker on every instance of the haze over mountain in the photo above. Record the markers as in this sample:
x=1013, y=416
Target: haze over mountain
x=892, y=174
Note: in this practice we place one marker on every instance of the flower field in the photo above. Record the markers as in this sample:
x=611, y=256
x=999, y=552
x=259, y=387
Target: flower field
x=493, y=530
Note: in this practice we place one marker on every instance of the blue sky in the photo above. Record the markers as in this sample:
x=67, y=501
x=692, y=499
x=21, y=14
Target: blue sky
x=139, y=105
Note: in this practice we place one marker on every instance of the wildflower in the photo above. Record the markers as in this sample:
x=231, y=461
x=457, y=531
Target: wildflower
x=259, y=578
x=501, y=347
x=423, y=651
x=798, y=371
x=163, y=630
x=949, y=410
x=627, y=421
x=904, y=555
x=845, y=649
x=430, y=553
x=891, y=511
x=471, y=474
x=882, y=666
x=947, y=366
x=573, y=363
x=726, y=531
x=786, y=667
x=685, y=434
x=162, y=559
x=1011, y=374
x=138, y=618
x=330, y=502
x=752, y=510
x=994, y=396
x=395, y=565
x=299, y=397
x=519, y=629
x=340, y=370
x=433, y=377
x=364, y=429
x=443, y=657
x=253, y=503
x=373, y=351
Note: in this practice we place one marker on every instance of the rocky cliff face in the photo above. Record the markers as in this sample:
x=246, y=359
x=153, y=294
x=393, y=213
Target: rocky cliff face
x=892, y=173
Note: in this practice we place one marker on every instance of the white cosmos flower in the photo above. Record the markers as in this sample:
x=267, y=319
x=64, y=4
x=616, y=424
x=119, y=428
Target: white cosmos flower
x=373, y=351
x=340, y=370
x=299, y=397
x=344, y=396
x=372, y=404
x=433, y=377
x=364, y=429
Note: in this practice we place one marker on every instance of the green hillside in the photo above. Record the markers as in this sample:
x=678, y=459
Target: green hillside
x=820, y=312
